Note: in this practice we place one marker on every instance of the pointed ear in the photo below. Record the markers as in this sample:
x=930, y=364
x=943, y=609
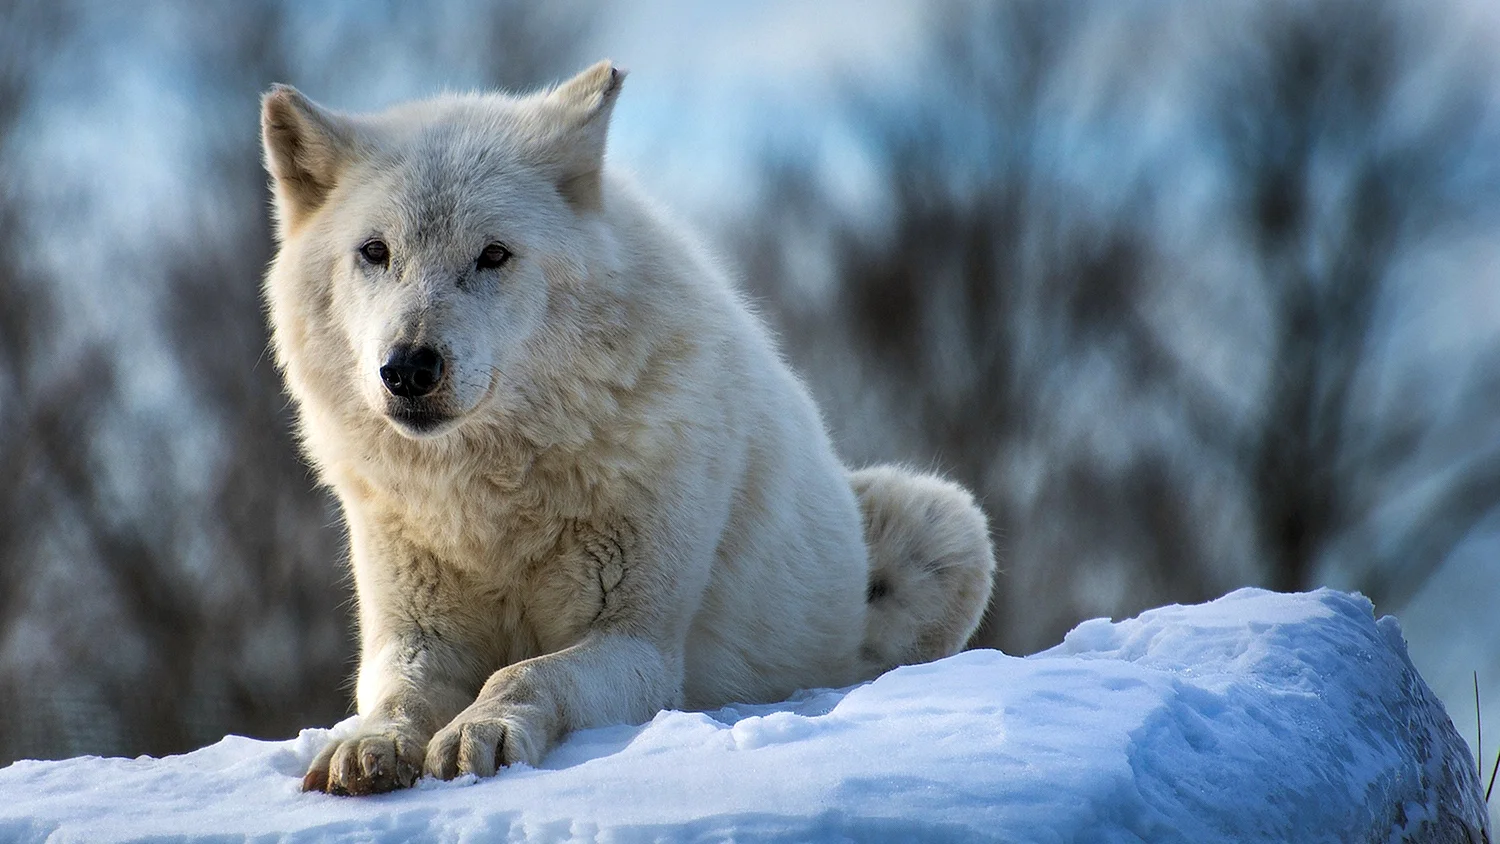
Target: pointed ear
x=306, y=147
x=579, y=111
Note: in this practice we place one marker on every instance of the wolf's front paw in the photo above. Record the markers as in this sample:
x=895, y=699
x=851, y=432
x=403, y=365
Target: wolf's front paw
x=366, y=763
x=485, y=738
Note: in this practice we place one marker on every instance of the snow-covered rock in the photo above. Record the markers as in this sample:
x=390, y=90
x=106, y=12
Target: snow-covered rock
x=1257, y=717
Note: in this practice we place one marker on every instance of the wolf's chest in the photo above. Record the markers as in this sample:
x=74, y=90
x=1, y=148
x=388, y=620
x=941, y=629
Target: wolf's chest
x=554, y=568
x=474, y=526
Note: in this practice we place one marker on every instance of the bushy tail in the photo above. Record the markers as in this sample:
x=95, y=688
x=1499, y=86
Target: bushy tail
x=931, y=566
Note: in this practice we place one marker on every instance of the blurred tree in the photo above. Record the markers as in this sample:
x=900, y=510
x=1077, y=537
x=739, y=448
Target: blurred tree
x=38, y=391
x=1146, y=276
x=1330, y=204
x=1159, y=397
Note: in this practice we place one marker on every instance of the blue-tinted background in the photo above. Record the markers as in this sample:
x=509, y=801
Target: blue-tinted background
x=1194, y=294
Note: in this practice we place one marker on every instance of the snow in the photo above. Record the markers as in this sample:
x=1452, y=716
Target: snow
x=1256, y=717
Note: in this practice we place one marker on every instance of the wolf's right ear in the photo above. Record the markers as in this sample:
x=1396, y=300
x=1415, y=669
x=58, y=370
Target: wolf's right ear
x=306, y=147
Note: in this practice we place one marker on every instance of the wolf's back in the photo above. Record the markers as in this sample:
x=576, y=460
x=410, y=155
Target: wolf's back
x=931, y=565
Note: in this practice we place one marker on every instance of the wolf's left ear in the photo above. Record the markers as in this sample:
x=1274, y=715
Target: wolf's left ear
x=306, y=148
x=579, y=111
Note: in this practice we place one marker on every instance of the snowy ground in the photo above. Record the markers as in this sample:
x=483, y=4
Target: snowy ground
x=1257, y=717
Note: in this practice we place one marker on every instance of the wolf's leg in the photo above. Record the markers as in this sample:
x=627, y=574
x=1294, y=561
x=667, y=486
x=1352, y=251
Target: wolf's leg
x=415, y=695
x=626, y=665
x=525, y=708
x=417, y=666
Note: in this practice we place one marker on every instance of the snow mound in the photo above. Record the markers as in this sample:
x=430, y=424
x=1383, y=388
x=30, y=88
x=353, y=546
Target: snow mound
x=1257, y=717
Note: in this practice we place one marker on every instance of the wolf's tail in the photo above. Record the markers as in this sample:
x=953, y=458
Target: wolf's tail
x=931, y=566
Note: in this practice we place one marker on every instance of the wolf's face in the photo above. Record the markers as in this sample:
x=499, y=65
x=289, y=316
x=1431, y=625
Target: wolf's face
x=442, y=278
x=438, y=237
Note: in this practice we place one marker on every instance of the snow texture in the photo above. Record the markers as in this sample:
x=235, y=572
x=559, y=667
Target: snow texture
x=1257, y=717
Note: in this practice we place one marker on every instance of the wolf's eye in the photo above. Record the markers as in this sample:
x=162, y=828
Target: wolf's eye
x=375, y=251
x=492, y=257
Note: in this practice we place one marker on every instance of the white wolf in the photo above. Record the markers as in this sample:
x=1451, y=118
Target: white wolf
x=580, y=484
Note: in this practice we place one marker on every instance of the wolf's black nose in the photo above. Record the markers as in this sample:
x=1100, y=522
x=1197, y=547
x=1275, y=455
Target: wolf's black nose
x=412, y=372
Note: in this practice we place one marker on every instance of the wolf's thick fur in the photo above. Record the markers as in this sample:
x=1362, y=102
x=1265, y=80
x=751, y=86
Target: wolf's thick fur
x=608, y=495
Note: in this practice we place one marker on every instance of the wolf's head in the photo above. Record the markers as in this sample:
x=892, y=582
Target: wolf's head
x=424, y=247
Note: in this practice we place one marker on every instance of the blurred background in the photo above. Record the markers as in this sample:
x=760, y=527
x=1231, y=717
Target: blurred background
x=1195, y=295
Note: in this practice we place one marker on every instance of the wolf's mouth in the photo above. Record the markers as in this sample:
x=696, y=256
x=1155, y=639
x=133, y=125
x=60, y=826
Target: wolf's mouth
x=417, y=421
